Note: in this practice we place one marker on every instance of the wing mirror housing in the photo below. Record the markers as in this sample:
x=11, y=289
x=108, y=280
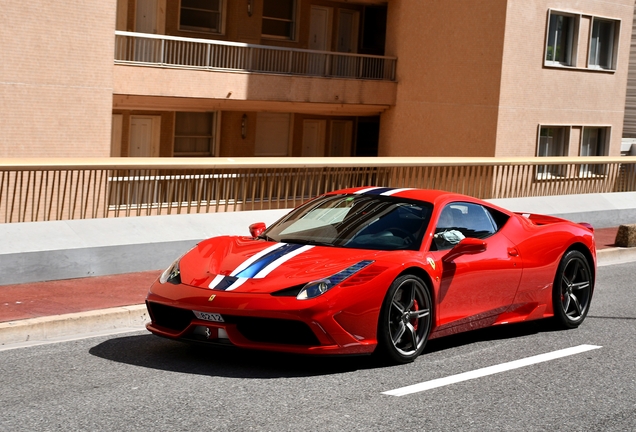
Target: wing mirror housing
x=257, y=229
x=467, y=246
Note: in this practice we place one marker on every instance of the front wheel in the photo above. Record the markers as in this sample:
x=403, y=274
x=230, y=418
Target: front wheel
x=572, y=292
x=405, y=320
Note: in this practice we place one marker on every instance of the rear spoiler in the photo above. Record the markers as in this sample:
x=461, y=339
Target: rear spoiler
x=539, y=219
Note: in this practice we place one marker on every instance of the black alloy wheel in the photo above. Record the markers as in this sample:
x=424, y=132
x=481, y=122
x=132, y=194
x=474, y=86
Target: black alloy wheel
x=572, y=292
x=405, y=320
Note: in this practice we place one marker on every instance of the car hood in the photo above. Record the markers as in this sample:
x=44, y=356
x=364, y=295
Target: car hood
x=244, y=264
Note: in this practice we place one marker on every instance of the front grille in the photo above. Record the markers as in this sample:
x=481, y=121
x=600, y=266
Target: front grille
x=170, y=317
x=279, y=331
x=268, y=330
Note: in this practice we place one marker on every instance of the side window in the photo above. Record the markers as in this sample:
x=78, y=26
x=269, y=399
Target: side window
x=279, y=19
x=201, y=16
x=460, y=220
x=561, y=41
x=603, y=43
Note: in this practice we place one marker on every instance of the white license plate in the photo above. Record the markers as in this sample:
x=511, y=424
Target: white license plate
x=207, y=316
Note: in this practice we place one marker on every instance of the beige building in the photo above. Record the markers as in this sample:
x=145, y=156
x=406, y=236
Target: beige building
x=237, y=78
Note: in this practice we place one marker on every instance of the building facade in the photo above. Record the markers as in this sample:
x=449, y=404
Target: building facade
x=237, y=78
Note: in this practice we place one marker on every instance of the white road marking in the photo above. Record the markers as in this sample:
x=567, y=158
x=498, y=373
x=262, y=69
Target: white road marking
x=478, y=373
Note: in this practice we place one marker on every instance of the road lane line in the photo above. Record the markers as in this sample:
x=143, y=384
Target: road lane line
x=478, y=373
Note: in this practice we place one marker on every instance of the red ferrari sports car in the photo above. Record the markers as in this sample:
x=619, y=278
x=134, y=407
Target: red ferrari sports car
x=376, y=269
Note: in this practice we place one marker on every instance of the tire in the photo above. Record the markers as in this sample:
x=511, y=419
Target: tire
x=572, y=290
x=405, y=320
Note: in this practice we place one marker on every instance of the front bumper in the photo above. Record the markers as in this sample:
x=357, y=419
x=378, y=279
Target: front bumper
x=338, y=322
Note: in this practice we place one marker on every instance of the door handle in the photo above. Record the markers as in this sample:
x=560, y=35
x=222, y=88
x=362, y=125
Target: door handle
x=513, y=252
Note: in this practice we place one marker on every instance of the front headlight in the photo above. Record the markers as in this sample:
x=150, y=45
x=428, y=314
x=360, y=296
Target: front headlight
x=172, y=274
x=319, y=287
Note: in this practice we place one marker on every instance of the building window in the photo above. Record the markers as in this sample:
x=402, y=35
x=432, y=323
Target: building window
x=194, y=134
x=201, y=15
x=279, y=18
x=553, y=141
x=603, y=43
x=562, y=34
x=594, y=143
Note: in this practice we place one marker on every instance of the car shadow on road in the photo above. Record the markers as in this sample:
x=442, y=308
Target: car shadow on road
x=153, y=352
x=150, y=351
x=492, y=333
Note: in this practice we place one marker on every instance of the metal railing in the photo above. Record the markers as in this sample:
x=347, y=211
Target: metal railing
x=58, y=189
x=206, y=54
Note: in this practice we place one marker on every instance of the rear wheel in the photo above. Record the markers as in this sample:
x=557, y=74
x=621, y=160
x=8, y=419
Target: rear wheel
x=405, y=320
x=572, y=290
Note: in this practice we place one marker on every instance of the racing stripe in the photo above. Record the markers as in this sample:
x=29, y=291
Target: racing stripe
x=226, y=283
x=272, y=266
x=258, y=266
x=236, y=284
x=248, y=262
x=266, y=260
x=363, y=191
x=217, y=280
x=374, y=191
x=394, y=191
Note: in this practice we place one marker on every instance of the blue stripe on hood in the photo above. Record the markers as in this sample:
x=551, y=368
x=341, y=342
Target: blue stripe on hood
x=266, y=260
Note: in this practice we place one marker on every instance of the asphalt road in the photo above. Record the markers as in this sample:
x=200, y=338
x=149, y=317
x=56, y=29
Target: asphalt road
x=138, y=381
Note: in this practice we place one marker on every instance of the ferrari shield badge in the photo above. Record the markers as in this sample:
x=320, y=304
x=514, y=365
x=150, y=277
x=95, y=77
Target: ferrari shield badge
x=431, y=262
x=212, y=297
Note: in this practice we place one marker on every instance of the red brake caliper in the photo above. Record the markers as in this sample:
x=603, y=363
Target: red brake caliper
x=415, y=309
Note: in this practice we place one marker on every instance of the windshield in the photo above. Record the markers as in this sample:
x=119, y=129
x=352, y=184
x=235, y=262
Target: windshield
x=355, y=221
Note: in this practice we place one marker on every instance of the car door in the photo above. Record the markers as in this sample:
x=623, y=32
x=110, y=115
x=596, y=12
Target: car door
x=478, y=284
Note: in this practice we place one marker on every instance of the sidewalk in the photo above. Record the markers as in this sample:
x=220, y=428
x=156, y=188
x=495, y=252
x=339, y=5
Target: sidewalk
x=39, y=299
x=41, y=303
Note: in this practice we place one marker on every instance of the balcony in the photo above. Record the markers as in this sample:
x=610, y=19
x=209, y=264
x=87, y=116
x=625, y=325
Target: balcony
x=203, y=54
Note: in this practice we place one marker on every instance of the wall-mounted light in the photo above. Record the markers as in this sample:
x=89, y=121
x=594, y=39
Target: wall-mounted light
x=249, y=7
x=244, y=126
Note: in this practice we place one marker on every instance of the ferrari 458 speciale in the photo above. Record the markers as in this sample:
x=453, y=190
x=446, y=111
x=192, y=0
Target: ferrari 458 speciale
x=373, y=269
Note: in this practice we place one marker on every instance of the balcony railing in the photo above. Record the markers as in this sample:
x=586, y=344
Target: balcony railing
x=205, y=54
x=49, y=189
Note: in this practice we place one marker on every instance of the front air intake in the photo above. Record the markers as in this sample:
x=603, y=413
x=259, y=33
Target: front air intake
x=169, y=317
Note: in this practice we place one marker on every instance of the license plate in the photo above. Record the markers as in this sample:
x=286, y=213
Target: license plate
x=208, y=316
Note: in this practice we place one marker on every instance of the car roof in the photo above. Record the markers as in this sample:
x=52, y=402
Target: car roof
x=434, y=196
x=428, y=195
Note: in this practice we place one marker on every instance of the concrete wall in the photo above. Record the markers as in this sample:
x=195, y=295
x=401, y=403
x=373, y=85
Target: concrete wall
x=471, y=78
x=533, y=94
x=238, y=91
x=449, y=68
x=629, y=123
x=38, y=251
x=56, y=78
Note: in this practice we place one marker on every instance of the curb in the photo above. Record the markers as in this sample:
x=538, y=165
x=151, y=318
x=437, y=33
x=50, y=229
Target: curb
x=136, y=316
x=605, y=257
x=52, y=327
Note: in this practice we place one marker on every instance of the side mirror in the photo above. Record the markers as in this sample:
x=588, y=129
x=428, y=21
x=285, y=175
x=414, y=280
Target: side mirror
x=467, y=246
x=257, y=229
